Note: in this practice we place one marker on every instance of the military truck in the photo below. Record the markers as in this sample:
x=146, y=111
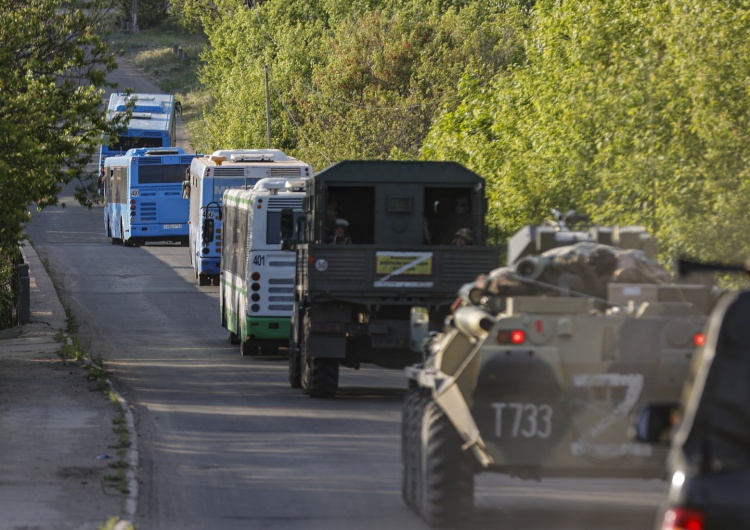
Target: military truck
x=542, y=364
x=370, y=301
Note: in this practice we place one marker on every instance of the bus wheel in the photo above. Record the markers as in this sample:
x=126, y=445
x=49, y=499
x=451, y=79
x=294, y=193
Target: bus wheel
x=233, y=338
x=204, y=280
x=248, y=348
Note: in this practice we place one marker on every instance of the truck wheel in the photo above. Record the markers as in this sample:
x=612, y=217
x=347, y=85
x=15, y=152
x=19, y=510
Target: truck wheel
x=411, y=423
x=295, y=366
x=320, y=377
x=447, y=472
x=295, y=369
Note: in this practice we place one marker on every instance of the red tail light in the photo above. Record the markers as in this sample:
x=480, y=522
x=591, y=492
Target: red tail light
x=699, y=339
x=683, y=519
x=511, y=336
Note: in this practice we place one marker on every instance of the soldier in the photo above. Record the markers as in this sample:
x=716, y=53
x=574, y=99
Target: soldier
x=463, y=237
x=340, y=235
x=459, y=218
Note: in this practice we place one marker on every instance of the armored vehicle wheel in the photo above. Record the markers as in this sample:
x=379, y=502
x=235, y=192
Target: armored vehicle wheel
x=411, y=423
x=447, y=472
x=320, y=377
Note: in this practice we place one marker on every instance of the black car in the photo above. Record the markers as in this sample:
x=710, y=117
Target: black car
x=709, y=459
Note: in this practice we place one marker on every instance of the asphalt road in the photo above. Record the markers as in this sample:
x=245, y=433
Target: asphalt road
x=225, y=443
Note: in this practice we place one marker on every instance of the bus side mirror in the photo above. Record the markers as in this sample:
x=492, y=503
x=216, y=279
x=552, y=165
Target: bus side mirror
x=208, y=230
x=185, y=189
x=655, y=422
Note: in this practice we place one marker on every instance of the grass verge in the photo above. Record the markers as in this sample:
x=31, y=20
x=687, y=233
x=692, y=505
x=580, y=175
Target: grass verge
x=72, y=350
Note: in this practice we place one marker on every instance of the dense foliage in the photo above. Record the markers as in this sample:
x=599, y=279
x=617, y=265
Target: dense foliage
x=348, y=79
x=635, y=112
x=53, y=65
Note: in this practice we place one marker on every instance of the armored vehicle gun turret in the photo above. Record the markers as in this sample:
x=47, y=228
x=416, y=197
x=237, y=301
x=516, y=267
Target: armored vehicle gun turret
x=542, y=364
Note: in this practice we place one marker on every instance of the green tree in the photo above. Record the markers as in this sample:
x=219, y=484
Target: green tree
x=348, y=79
x=634, y=112
x=53, y=67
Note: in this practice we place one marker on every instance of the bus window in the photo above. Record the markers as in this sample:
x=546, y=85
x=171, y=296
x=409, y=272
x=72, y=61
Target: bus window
x=275, y=223
x=161, y=174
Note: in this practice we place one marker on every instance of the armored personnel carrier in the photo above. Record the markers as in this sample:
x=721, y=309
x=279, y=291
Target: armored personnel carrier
x=542, y=364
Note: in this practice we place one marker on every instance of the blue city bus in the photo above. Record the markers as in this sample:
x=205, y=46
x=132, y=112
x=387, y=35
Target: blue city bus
x=152, y=123
x=143, y=199
x=209, y=177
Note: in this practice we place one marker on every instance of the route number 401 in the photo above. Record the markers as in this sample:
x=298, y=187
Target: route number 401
x=526, y=420
x=259, y=260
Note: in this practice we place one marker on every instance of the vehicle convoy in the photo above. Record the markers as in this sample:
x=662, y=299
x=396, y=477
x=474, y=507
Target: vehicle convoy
x=369, y=301
x=209, y=177
x=143, y=198
x=257, y=276
x=542, y=364
x=709, y=460
x=152, y=123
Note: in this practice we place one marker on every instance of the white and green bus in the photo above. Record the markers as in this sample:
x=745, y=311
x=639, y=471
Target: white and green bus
x=257, y=277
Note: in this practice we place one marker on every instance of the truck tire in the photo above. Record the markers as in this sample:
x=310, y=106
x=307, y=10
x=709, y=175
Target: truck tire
x=320, y=377
x=447, y=479
x=411, y=423
x=295, y=366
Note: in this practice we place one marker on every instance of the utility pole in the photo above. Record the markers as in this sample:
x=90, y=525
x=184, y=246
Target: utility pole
x=268, y=108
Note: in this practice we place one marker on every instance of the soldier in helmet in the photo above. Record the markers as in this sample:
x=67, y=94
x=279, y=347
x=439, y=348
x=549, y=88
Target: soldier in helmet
x=463, y=237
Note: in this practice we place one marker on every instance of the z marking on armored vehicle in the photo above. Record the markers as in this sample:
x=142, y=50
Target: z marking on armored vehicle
x=542, y=364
